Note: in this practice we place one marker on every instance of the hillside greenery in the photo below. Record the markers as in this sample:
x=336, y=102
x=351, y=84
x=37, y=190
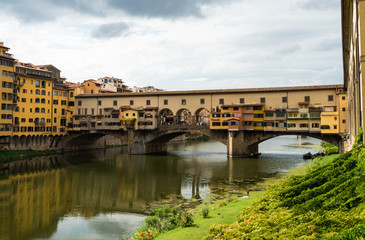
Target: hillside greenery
x=326, y=203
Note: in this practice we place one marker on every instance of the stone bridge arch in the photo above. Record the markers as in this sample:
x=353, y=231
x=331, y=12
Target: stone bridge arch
x=141, y=142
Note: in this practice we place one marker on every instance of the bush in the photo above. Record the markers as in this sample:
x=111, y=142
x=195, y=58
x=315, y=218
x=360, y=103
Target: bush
x=186, y=219
x=205, y=212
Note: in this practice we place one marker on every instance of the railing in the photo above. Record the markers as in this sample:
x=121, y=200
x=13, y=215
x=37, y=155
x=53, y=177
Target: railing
x=182, y=127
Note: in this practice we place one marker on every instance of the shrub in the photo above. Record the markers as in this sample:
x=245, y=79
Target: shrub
x=205, y=212
x=186, y=219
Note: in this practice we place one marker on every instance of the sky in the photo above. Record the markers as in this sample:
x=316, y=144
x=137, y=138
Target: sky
x=180, y=44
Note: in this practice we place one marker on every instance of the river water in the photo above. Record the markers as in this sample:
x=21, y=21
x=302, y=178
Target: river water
x=105, y=194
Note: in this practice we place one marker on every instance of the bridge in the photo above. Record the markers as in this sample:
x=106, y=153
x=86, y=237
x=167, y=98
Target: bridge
x=239, y=118
x=239, y=143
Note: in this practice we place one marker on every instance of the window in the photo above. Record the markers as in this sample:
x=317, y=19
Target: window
x=221, y=101
x=115, y=103
x=23, y=120
x=85, y=111
x=30, y=120
x=303, y=115
x=284, y=99
x=269, y=114
x=202, y=101
x=99, y=103
x=55, y=102
x=56, y=93
x=262, y=100
x=183, y=101
x=303, y=125
x=37, y=83
x=55, y=110
x=148, y=102
x=24, y=100
x=43, y=100
x=315, y=125
x=343, y=109
x=37, y=100
x=43, y=92
x=257, y=108
x=343, y=98
x=63, y=102
x=71, y=94
x=343, y=121
x=38, y=92
x=55, y=120
x=165, y=102
x=79, y=103
x=216, y=124
x=36, y=110
x=43, y=110
x=24, y=90
x=131, y=102
x=306, y=99
x=330, y=98
x=242, y=100
x=334, y=126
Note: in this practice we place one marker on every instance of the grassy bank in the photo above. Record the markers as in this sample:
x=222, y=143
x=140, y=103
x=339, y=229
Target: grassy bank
x=14, y=155
x=226, y=212
x=328, y=202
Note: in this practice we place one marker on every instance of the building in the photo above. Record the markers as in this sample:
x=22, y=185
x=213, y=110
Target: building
x=353, y=46
x=91, y=86
x=138, y=118
x=33, y=111
x=291, y=109
x=8, y=90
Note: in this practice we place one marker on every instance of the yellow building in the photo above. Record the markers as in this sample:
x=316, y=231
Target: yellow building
x=33, y=111
x=63, y=109
x=138, y=118
x=8, y=90
x=91, y=87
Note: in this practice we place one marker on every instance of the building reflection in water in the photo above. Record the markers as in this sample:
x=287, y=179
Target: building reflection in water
x=39, y=193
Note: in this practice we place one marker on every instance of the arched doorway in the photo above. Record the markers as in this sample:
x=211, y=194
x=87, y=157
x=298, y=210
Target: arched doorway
x=166, y=117
x=201, y=117
x=183, y=116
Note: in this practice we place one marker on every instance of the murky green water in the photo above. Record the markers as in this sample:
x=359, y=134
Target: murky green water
x=105, y=194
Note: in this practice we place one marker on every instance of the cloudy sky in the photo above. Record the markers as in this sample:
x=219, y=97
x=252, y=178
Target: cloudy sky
x=180, y=44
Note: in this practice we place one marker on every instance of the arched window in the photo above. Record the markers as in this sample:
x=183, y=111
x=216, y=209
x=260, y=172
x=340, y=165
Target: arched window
x=43, y=92
x=43, y=110
x=37, y=100
x=43, y=100
x=37, y=91
x=36, y=121
x=43, y=121
x=36, y=110
x=43, y=84
x=37, y=83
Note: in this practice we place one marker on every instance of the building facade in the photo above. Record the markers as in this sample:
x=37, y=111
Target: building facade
x=353, y=46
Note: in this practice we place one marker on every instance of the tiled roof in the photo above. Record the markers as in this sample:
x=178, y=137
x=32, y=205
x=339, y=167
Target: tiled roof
x=217, y=91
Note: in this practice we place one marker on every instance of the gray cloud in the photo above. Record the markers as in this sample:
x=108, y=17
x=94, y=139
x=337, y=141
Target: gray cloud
x=319, y=4
x=110, y=30
x=48, y=10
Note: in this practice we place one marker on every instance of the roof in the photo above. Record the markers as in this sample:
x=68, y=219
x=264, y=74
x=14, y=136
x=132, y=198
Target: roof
x=214, y=91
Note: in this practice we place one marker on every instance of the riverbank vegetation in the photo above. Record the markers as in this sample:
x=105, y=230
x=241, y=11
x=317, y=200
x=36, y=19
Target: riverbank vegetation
x=326, y=203
x=329, y=148
x=14, y=155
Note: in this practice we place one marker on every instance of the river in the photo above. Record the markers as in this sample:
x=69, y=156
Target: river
x=105, y=194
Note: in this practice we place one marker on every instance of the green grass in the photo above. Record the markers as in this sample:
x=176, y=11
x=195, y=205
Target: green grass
x=328, y=201
x=227, y=215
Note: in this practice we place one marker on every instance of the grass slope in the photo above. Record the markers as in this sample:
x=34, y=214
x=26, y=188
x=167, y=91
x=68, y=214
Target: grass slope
x=326, y=203
x=224, y=215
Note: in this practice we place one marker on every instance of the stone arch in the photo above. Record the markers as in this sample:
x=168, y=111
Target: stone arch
x=183, y=116
x=166, y=116
x=201, y=116
x=16, y=142
x=23, y=142
x=28, y=141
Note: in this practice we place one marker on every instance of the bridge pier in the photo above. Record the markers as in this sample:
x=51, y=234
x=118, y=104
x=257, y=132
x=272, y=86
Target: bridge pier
x=238, y=144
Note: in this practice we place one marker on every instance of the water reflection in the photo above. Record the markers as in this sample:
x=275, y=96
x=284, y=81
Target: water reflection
x=102, y=194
